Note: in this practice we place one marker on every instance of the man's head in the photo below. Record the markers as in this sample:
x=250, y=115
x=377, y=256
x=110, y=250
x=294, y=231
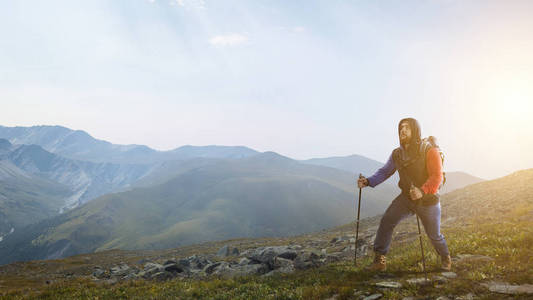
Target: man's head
x=405, y=132
x=409, y=131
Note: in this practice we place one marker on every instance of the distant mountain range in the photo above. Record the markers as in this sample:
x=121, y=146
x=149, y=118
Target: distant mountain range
x=355, y=164
x=79, y=145
x=149, y=199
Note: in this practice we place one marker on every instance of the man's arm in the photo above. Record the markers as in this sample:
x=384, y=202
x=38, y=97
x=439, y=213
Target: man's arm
x=434, y=168
x=383, y=173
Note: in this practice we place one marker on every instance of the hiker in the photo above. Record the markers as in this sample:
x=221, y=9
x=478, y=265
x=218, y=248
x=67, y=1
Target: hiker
x=420, y=178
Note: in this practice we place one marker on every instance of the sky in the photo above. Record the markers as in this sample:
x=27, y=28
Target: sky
x=302, y=78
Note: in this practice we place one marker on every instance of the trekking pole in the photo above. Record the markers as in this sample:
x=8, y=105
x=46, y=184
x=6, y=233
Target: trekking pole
x=421, y=248
x=421, y=245
x=357, y=225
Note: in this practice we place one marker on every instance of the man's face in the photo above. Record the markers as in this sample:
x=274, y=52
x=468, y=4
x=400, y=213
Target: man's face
x=405, y=132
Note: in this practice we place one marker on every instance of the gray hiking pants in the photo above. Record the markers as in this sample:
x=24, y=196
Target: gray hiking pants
x=401, y=208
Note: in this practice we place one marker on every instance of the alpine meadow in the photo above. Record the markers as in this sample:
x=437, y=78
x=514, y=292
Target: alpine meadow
x=232, y=149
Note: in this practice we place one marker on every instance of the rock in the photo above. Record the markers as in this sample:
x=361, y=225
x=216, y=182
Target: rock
x=221, y=268
x=130, y=276
x=227, y=251
x=443, y=298
x=99, y=273
x=267, y=254
x=388, y=284
x=245, y=261
x=120, y=271
x=150, y=265
x=449, y=275
x=334, y=240
x=307, y=260
x=170, y=261
x=184, y=263
x=198, y=262
x=282, y=265
x=295, y=247
x=150, y=269
x=373, y=297
x=173, y=268
x=509, y=289
x=211, y=267
x=289, y=254
x=418, y=281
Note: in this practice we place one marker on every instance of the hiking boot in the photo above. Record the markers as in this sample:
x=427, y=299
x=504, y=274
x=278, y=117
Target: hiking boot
x=379, y=264
x=446, y=263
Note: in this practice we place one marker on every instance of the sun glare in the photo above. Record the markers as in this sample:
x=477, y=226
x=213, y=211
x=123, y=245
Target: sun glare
x=508, y=100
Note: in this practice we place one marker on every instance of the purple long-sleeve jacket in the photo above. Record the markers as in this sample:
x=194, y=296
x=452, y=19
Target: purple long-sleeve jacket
x=383, y=173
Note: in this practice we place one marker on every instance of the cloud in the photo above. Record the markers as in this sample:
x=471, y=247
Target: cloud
x=200, y=4
x=298, y=29
x=232, y=39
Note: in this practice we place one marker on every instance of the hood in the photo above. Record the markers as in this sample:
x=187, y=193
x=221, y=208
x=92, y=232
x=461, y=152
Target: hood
x=416, y=133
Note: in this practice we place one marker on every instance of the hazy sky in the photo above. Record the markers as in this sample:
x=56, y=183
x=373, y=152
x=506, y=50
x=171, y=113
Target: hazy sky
x=302, y=78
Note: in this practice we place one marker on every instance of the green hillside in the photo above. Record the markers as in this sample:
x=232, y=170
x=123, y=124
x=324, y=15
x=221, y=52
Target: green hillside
x=25, y=199
x=489, y=228
x=264, y=195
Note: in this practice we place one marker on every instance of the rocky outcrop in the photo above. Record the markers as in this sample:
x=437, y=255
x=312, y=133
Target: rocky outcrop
x=264, y=261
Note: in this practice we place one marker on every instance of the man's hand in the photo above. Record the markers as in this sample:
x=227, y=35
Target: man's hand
x=415, y=193
x=362, y=182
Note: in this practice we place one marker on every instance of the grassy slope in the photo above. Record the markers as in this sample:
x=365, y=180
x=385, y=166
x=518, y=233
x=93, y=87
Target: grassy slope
x=492, y=218
x=24, y=200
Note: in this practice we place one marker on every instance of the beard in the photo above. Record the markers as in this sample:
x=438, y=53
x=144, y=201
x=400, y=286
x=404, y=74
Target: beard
x=404, y=140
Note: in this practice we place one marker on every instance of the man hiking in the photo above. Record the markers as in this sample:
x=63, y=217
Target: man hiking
x=420, y=168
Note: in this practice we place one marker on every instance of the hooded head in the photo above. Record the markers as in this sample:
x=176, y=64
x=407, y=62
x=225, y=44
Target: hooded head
x=416, y=134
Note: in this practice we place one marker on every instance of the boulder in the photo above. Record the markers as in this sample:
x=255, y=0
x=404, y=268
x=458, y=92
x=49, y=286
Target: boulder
x=307, y=259
x=211, y=267
x=121, y=270
x=173, y=267
x=227, y=251
x=246, y=261
x=283, y=265
x=184, y=263
x=509, y=289
x=224, y=269
x=150, y=269
x=198, y=262
x=267, y=254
